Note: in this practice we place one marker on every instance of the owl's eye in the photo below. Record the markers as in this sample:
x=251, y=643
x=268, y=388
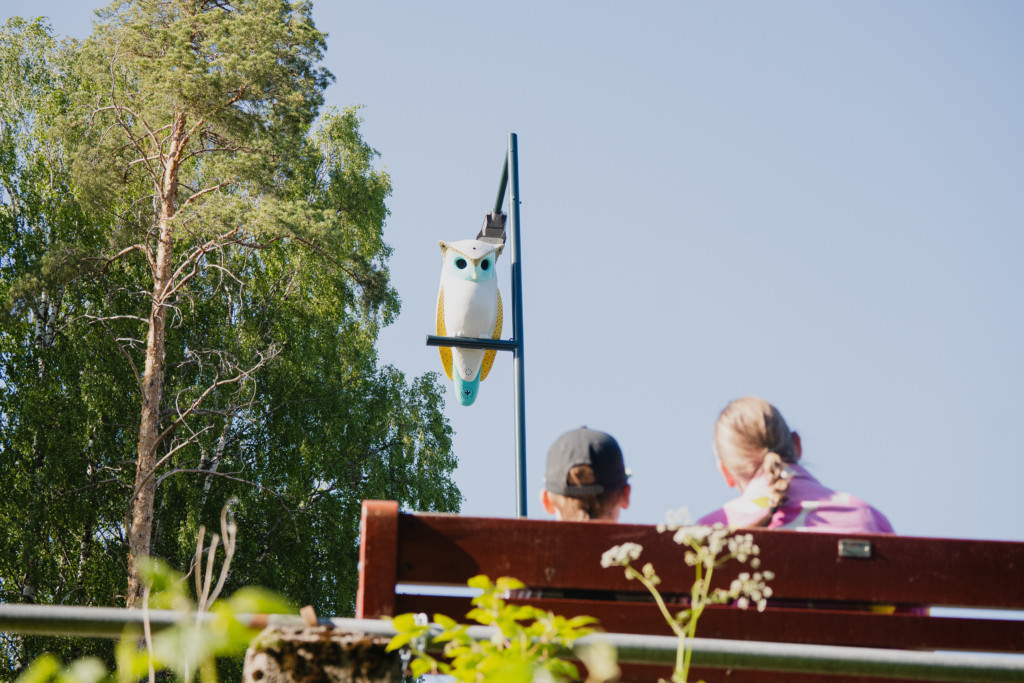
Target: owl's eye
x=485, y=264
x=460, y=263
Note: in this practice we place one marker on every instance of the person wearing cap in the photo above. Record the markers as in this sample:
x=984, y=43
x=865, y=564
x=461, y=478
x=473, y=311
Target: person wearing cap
x=586, y=478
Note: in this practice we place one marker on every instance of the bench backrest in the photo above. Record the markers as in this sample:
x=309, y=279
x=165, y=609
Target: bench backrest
x=446, y=550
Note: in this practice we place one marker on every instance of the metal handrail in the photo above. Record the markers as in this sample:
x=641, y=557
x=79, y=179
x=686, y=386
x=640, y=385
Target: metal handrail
x=110, y=622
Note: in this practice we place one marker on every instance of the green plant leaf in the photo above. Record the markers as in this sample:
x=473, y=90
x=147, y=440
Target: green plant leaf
x=132, y=663
x=85, y=670
x=225, y=634
x=42, y=670
x=481, y=581
x=419, y=667
x=401, y=640
x=445, y=622
x=404, y=622
x=480, y=616
x=580, y=621
x=253, y=600
x=507, y=583
x=563, y=669
x=158, y=575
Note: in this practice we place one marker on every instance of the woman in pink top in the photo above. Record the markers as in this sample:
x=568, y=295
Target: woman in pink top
x=758, y=454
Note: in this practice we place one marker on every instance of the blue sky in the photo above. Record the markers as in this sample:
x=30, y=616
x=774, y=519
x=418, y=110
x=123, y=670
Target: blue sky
x=817, y=203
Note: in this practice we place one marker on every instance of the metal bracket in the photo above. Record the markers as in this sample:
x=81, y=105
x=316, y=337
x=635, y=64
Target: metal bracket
x=493, y=230
x=855, y=547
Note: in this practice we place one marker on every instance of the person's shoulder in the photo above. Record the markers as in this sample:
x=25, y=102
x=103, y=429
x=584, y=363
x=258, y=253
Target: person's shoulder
x=738, y=512
x=717, y=517
x=873, y=520
x=882, y=523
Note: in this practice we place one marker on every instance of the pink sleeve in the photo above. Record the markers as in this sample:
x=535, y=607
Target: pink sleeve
x=716, y=517
x=882, y=522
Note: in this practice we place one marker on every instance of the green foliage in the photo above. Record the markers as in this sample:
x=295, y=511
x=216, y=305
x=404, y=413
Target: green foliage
x=61, y=418
x=272, y=393
x=189, y=648
x=707, y=549
x=529, y=641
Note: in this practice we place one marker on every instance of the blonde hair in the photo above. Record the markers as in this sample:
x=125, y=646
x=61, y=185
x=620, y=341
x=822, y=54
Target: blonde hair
x=583, y=508
x=751, y=437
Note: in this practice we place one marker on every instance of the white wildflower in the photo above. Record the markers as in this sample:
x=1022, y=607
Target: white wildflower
x=688, y=535
x=747, y=589
x=675, y=519
x=650, y=574
x=741, y=546
x=621, y=555
x=717, y=541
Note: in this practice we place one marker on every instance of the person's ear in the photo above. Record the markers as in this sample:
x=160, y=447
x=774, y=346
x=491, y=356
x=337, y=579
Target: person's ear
x=797, y=445
x=624, y=498
x=729, y=480
x=545, y=500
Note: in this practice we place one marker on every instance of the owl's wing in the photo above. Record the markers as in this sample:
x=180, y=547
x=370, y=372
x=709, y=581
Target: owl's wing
x=489, y=355
x=446, y=352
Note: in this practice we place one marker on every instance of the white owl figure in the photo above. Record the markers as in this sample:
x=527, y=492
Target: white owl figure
x=468, y=305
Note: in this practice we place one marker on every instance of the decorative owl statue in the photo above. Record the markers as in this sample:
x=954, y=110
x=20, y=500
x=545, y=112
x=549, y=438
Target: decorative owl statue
x=468, y=305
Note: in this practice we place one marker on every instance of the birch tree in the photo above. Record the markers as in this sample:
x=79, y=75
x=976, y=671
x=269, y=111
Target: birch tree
x=223, y=277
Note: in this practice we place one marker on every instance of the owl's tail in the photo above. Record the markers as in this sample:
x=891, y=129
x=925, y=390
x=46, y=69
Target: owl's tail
x=466, y=390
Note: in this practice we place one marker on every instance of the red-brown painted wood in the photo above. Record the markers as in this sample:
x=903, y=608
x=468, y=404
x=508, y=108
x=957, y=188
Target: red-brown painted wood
x=432, y=549
x=377, y=559
x=650, y=674
x=448, y=549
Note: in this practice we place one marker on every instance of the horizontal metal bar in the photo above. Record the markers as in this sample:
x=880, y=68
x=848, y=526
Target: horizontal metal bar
x=709, y=653
x=473, y=343
x=820, y=659
x=89, y=622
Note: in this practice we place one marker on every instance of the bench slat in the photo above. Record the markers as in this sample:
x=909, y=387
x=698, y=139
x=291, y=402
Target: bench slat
x=547, y=554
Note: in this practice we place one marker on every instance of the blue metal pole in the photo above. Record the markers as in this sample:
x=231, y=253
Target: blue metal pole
x=517, y=324
x=502, y=184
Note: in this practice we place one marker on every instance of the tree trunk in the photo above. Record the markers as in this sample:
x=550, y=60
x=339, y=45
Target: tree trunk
x=213, y=464
x=142, y=505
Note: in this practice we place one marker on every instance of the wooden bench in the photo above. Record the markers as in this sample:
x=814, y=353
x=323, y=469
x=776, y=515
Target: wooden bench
x=416, y=550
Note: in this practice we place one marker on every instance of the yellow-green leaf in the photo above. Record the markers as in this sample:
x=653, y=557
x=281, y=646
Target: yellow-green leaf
x=507, y=583
x=480, y=616
x=41, y=671
x=250, y=600
x=445, y=622
x=404, y=622
x=398, y=641
x=481, y=581
x=419, y=667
